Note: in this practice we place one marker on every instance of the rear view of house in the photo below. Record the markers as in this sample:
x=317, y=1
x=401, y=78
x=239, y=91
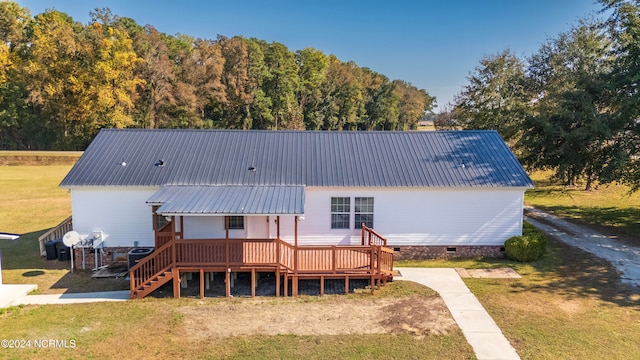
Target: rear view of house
x=418, y=194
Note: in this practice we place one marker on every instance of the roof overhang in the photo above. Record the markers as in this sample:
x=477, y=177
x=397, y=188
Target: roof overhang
x=229, y=200
x=8, y=236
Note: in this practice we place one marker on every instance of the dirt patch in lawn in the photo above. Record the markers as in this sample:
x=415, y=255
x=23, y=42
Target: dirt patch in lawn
x=415, y=315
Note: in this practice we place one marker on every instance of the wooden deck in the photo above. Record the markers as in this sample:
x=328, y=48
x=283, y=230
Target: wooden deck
x=174, y=256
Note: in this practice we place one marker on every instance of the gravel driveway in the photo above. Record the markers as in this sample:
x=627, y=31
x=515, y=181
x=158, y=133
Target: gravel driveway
x=625, y=258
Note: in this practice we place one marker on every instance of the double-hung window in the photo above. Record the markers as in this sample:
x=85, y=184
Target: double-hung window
x=236, y=222
x=363, y=211
x=340, y=212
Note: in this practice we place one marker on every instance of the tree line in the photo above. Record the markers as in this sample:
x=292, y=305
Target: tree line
x=572, y=107
x=61, y=81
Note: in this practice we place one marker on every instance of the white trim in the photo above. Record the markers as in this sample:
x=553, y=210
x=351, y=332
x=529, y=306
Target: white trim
x=219, y=215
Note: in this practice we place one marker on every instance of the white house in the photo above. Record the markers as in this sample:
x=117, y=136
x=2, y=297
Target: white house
x=428, y=193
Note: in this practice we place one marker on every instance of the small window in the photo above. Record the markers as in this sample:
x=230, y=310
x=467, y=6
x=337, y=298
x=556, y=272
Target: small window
x=340, y=212
x=236, y=222
x=363, y=211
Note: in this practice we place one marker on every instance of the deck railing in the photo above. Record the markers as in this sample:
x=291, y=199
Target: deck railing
x=164, y=235
x=365, y=260
x=55, y=233
x=371, y=237
x=212, y=252
x=162, y=259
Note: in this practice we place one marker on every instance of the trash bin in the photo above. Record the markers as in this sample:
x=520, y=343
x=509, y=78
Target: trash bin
x=50, y=249
x=63, y=251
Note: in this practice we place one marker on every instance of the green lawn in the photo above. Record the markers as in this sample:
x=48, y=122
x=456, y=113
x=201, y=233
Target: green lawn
x=32, y=203
x=567, y=305
x=610, y=208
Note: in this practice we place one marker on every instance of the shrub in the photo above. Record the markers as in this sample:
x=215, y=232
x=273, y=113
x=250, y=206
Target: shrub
x=528, y=247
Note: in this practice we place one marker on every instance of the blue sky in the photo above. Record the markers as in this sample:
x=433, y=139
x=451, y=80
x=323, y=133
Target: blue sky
x=432, y=44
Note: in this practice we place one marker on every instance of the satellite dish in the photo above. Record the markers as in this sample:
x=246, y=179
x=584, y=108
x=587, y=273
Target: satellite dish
x=71, y=238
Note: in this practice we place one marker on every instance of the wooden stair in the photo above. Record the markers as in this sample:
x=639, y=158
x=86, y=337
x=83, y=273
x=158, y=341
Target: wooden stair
x=151, y=285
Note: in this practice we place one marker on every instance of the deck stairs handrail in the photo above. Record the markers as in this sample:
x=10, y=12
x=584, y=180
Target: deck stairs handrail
x=55, y=233
x=371, y=237
x=143, y=273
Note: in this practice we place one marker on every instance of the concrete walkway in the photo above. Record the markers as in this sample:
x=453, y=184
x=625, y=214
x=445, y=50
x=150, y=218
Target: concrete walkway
x=478, y=327
x=69, y=298
x=74, y=298
x=9, y=293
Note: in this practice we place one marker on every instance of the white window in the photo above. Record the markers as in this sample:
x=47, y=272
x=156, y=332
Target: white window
x=340, y=212
x=363, y=211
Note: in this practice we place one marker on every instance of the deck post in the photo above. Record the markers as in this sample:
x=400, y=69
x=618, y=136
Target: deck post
x=362, y=234
x=201, y=283
x=253, y=282
x=378, y=260
x=286, y=284
x=295, y=253
x=174, y=258
x=277, y=267
x=333, y=259
x=373, y=283
x=176, y=282
x=155, y=225
x=226, y=241
x=321, y=285
x=278, y=281
x=227, y=282
x=346, y=284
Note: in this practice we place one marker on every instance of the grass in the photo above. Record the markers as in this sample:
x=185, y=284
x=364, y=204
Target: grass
x=155, y=328
x=567, y=305
x=611, y=208
x=32, y=203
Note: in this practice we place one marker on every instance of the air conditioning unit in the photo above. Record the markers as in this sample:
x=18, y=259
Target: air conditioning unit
x=136, y=254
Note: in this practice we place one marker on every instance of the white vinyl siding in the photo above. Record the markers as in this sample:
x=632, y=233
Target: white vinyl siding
x=120, y=212
x=406, y=216
x=208, y=227
x=416, y=216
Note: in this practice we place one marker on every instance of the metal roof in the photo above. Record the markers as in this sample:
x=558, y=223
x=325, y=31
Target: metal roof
x=229, y=200
x=137, y=157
